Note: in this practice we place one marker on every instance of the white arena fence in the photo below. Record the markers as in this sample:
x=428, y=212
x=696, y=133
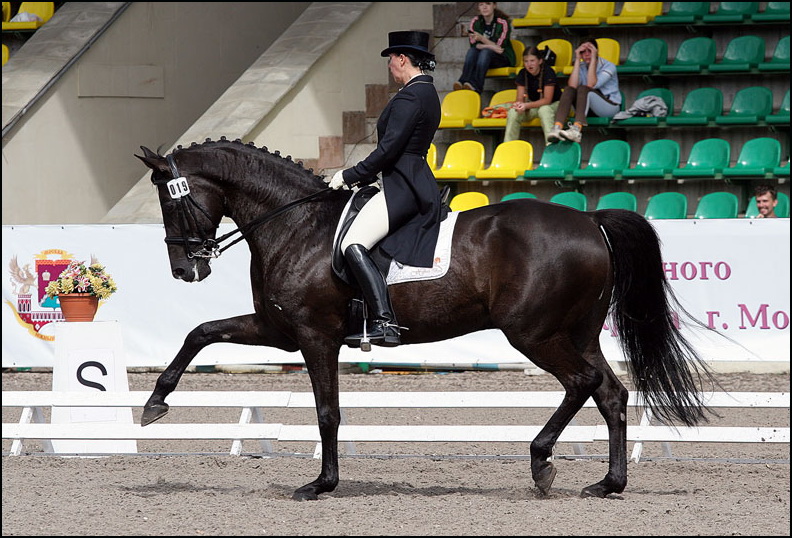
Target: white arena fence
x=253, y=425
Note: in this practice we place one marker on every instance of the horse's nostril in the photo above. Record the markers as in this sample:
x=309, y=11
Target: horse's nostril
x=178, y=273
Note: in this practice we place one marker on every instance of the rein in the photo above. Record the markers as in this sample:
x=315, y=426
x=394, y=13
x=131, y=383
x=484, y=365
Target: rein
x=179, y=191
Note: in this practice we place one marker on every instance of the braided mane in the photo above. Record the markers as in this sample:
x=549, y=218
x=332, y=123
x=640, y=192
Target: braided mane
x=251, y=145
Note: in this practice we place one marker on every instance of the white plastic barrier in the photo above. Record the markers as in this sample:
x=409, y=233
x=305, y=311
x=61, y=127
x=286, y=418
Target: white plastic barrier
x=252, y=424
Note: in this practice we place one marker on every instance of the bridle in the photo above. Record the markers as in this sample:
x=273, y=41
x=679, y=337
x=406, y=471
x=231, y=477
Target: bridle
x=196, y=244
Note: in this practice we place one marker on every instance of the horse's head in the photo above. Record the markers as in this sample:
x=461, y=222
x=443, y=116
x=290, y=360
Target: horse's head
x=191, y=211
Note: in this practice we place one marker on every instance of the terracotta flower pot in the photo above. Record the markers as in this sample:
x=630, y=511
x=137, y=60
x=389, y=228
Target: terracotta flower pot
x=79, y=306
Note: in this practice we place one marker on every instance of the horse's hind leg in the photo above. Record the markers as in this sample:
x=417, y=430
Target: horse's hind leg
x=580, y=380
x=236, y=330
x=611, y=399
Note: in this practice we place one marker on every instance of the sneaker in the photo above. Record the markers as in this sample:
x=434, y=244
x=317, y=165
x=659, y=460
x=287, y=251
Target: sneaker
x=555, y=134
x=469, y=86
x=573, y=134
x=458, y=86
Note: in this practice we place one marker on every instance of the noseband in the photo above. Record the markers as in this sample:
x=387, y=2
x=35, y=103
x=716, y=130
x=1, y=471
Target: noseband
x=191, y=233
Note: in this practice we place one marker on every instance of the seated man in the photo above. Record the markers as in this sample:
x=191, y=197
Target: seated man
x=766, y=201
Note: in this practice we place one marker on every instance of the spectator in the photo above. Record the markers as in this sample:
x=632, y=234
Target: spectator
x=489, y=33
x=766, y=201
x=588, y=90
x=537, y=94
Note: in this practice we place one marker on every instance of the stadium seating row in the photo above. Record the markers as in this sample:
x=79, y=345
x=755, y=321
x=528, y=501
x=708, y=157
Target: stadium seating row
x=665, y=205
x=759, y=158
x=461, y=109
x=554, y=14
x=649, y=56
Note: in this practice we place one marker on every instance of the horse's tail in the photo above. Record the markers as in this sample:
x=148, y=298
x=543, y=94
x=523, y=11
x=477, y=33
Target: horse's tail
x=663, y=365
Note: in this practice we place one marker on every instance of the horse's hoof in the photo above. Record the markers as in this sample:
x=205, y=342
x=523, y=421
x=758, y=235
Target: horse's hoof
x=300, y=495
x=152, y=413
x=595, y=490
x=545, y=479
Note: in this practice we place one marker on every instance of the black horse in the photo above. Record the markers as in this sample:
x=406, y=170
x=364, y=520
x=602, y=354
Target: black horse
x=544, y=274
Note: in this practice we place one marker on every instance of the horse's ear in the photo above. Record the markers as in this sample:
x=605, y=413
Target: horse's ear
x=152, y=160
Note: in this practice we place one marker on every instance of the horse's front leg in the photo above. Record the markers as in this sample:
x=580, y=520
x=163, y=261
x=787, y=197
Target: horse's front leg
x=322, y=363
x=237, y=330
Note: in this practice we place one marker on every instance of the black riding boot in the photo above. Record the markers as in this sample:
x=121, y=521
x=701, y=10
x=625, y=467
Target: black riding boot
x=384, y=330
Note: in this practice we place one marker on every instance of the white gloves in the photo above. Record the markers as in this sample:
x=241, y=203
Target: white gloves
x=337, y=182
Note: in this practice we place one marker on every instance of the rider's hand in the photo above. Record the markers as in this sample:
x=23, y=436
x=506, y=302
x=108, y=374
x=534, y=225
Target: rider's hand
x=337, y=182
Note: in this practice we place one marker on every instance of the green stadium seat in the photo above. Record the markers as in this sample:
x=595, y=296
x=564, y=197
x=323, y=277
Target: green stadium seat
x=558, y=161
x=773, y=12
x=683, y=13
x=781, y=210
x=665, y=94
x=694, y=55
x=743, y=53
x=782, y=172
x=517, y=196
x=707, y=159
x=782, y=116
x=541, y=14
x=750, y=106
x=667, y=205
x=656, y=161
x=571, y=199
x=618, y=200
x=700, y=107
x=636, y=13
x=731, y=12
x=607, y=160
x=717, y=205
x=644, y=57
x=780, y=59
x=758, y=157
x=596, y=121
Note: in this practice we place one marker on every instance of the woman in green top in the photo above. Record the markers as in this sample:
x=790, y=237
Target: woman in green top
x=489, y=33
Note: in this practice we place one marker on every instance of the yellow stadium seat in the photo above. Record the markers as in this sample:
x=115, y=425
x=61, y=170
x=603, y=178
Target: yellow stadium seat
x=636, y=13
x=589, y=14
x=608, y=48
x=509, y=161
x=519, y=48
x=563, y=51
x=462, y=160
x=498, y=98
x=541, y=14
x=468, y=200
x=431, y=156
x=43, y=10
x=5, y=54
x=459, y=108
x=6, y=11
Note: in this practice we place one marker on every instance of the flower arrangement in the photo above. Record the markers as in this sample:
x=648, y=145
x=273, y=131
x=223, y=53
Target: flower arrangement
x=81, y=278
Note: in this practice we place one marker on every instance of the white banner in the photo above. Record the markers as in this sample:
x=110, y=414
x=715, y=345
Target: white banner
x=731, y=274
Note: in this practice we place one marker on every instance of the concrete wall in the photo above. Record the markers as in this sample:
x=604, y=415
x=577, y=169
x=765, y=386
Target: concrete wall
x=315, y=107
x=143, y=82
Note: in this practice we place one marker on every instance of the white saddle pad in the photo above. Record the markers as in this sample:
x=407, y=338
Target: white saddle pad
x=442, y=259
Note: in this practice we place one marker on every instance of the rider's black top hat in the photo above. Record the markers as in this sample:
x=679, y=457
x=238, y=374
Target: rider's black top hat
x=408, y=41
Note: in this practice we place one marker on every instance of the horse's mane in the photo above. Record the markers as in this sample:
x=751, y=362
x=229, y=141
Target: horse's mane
x=250, y=146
